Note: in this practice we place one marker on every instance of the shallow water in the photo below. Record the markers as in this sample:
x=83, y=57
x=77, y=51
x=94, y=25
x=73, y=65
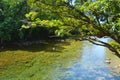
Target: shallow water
x=72, y=60
x=90, y=66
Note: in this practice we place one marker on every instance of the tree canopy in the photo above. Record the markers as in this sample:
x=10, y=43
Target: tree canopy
x=91, y=19
x=87, y=19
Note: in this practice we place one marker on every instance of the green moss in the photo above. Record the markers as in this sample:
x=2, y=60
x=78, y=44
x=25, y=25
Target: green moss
x=38, y=61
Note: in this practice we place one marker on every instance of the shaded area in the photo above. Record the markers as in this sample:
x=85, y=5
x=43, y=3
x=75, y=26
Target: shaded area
x=41, y=46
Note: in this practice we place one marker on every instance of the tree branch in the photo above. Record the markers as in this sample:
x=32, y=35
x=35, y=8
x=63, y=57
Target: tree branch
x=96, y=41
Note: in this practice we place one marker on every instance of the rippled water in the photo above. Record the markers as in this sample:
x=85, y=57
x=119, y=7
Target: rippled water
x=90, y=66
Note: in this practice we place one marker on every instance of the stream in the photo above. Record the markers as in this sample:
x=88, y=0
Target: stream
x=72, y=60
x=90, y=66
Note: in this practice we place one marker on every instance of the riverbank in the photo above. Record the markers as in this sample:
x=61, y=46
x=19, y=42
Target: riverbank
x=114, y=62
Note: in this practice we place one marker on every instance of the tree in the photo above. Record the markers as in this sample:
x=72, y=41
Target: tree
x=92, y=19
x=11, y=14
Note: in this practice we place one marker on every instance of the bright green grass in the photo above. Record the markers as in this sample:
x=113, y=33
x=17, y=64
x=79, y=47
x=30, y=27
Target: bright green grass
x=38, y=61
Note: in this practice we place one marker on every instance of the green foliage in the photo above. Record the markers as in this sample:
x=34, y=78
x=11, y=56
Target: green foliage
x=26, y=27
x=19, y=19
x=31, y=15
x=11, y=14
x=115, y=45
x=21, y=34
x=86, y=18
x=49, y=23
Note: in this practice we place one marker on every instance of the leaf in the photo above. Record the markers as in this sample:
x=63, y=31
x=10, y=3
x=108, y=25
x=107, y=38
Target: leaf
x=26, y=27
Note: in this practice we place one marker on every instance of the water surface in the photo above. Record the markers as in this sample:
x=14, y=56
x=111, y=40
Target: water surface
x=90, y=66
x=71, y=60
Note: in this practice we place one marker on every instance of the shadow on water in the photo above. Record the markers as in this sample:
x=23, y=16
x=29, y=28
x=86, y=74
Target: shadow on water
x=47, y=46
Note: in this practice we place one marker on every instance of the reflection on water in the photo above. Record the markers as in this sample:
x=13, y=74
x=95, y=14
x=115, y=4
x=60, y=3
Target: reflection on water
x=91, y=66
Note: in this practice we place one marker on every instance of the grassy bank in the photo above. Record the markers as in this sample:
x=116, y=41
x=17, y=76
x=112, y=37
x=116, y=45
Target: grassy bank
x=38, y=61
x=115, y=61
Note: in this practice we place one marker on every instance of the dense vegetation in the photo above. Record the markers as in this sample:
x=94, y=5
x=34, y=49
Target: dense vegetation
x=90, y=20
x=12, y=15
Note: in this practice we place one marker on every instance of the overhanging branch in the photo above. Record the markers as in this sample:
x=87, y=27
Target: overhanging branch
x=96, y=41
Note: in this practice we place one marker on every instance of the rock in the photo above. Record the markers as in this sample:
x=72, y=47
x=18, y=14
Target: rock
x=108, y=61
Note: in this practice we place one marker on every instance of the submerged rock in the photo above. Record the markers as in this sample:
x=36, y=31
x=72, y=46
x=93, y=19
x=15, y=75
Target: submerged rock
x=108, y=61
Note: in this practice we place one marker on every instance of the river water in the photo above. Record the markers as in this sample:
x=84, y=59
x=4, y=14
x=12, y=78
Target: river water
x=84, y=61
x=90, y=66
